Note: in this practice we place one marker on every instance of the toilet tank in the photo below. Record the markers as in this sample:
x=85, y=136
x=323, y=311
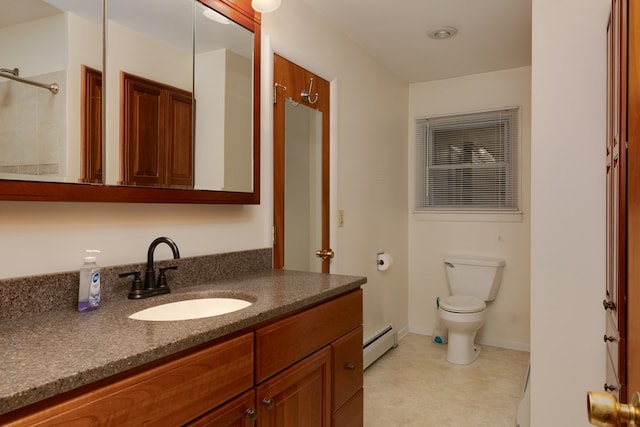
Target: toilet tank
x=475, y=276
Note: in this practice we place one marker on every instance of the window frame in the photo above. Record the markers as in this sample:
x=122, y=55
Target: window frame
x=425, y=127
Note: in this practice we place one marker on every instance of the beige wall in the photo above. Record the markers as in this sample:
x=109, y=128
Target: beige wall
x=508, y=238
x=369, y=107
x=567, y=208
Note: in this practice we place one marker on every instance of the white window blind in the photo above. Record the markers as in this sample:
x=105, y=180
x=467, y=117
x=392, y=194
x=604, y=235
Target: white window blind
x=468, y=162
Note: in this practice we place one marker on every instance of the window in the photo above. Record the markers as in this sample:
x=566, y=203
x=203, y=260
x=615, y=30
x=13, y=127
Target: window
x=468, y=162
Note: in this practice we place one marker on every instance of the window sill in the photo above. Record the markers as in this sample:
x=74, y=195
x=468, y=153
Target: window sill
x=468, y=216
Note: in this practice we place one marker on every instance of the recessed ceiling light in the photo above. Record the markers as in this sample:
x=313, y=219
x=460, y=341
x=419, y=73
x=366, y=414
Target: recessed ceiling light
x=443, y=33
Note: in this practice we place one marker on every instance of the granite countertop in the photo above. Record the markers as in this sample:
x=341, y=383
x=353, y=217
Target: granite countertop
x=50, y=353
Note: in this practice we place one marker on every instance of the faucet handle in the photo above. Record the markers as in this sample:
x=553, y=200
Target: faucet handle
x=136, y=286
x=162, y=278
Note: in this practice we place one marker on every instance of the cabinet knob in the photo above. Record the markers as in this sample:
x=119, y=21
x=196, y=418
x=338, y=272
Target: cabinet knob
x=608, y=338
x=251, y=414
x=268, y=403
x=351, y=366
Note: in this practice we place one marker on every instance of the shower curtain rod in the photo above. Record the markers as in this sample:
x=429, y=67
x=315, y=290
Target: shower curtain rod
x=13, y=75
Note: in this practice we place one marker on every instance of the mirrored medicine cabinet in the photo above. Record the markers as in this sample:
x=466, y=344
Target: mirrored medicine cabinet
x=130, y=101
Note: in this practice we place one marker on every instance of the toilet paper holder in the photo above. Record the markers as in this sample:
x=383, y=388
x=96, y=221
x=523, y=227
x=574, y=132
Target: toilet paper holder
x=383, y=261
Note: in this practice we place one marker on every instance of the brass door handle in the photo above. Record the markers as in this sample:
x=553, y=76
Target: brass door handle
x=605, y=411
x=325, y=254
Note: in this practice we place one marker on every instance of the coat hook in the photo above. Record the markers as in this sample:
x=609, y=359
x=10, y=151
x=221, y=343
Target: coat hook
x=275, y=88
x=306, y=94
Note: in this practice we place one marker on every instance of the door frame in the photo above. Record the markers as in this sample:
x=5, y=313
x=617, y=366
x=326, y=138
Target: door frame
x=270, y=46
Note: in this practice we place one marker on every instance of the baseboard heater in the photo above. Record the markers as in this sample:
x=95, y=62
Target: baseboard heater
x=379, y=344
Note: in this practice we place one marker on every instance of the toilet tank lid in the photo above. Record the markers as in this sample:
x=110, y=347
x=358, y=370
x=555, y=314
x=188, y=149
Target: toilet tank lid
x=474, y=260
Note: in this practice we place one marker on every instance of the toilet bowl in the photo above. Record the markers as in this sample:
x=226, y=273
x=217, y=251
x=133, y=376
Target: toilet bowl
x=473, y=281
x=462, y=316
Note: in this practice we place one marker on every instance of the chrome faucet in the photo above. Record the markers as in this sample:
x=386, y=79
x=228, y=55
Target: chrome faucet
x=151, y=287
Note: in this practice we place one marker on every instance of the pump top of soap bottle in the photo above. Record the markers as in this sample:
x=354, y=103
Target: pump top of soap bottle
x=91, y=258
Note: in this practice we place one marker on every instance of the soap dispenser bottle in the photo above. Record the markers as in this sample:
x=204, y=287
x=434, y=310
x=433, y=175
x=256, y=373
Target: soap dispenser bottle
x=89, y=289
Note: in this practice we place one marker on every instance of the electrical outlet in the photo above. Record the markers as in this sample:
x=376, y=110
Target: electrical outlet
x=340, y=218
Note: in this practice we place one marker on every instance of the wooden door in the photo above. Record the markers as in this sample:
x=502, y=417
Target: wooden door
x=633, y=200
x=617, y=185
x=91, y=124
x=291, y=81
x=299, y=396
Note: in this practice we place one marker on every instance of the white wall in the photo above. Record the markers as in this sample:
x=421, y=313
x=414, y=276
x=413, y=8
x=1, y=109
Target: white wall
x=431, y=239
x=369, y=149
x=567, y=208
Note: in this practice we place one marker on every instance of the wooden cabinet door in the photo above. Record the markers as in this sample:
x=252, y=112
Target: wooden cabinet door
x=240, y=412
x=178, y=140
x=347, y=367
x=351, y=414
x=157, y=131
x=299, y=396
x=91, y=126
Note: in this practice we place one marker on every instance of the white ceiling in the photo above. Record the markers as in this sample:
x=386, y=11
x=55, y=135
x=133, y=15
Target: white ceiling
x=492, y=34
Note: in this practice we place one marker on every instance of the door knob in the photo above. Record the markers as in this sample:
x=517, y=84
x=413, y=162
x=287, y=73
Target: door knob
x=605, y=411
x=325, y=254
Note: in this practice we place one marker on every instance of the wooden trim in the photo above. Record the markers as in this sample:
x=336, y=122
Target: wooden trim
x=237, y=10
x=633, y=201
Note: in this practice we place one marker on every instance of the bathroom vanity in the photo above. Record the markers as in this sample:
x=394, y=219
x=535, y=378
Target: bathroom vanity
x=294, y=355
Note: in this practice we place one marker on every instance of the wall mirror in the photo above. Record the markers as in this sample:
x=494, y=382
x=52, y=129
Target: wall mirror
x=163, y=109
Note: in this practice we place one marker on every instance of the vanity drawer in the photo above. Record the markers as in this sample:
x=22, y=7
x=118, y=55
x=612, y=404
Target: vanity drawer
x=171, y=394
x=351, y=414
x=283, y=343
x=347, y=367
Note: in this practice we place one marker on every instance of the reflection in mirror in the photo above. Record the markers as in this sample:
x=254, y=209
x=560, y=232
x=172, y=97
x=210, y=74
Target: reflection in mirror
x=44, y=43
x=149, y=87
x=223, y=63
x=108, y=85
x=302, y=187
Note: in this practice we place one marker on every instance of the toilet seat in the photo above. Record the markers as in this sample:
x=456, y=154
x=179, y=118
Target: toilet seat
x=462, y=304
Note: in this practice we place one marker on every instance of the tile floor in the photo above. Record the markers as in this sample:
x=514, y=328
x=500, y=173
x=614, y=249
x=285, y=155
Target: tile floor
x=414, y=385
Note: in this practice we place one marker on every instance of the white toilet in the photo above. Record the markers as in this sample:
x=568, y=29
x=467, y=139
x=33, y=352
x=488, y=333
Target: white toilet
x=472, y=280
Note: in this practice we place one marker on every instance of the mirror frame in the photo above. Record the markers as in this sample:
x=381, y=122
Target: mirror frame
x=243, y=14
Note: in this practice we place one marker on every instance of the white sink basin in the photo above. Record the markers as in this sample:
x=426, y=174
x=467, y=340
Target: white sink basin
x=191, y=309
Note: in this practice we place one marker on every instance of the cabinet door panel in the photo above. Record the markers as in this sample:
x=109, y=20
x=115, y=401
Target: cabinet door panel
x=351, y=414
x=347, y=367
x=232, y=414
x=143, y=133
x=299, y=396
x=179, y=147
